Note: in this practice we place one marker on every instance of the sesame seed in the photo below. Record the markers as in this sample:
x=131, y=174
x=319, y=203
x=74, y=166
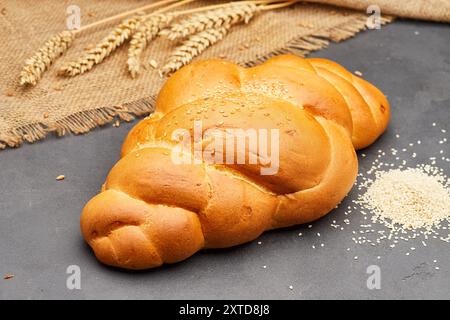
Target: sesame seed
x=153, y=63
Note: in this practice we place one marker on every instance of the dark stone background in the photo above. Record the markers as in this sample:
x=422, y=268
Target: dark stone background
x=39, y=217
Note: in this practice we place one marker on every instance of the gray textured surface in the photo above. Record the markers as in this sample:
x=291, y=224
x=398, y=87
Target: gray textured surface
x=39, y=217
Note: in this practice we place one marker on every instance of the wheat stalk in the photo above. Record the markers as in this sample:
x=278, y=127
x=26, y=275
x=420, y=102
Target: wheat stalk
x=192, y=47
x=103, y=49
x=146, y=31
x=211, y=26
x=213, y=19
x=36, y=65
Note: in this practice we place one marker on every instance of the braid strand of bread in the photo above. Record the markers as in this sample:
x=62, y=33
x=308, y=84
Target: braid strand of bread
x=153, y=211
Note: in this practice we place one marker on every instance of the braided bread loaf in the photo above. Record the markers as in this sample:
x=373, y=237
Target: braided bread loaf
x=153, y=211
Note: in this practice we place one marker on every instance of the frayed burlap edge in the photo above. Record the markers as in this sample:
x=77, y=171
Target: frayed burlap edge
x=78, y=123
x=85, y=121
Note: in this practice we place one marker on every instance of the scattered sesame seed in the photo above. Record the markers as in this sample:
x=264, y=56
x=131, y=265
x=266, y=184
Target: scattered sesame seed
x=153, y=63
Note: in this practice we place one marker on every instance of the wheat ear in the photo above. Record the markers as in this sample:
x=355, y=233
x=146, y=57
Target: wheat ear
x=192, y=47
x=103, y=49
x=212, y=19
x=36, y=65
x=146, y=31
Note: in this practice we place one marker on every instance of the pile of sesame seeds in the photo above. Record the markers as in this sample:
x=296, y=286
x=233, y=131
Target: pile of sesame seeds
x=400, y=202
x=410, y=202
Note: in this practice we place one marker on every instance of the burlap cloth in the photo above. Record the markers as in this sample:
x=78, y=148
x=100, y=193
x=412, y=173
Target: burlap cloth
x=107, y=92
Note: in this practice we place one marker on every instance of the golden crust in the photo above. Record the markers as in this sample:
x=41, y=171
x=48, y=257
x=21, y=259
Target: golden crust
x=153, y=211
